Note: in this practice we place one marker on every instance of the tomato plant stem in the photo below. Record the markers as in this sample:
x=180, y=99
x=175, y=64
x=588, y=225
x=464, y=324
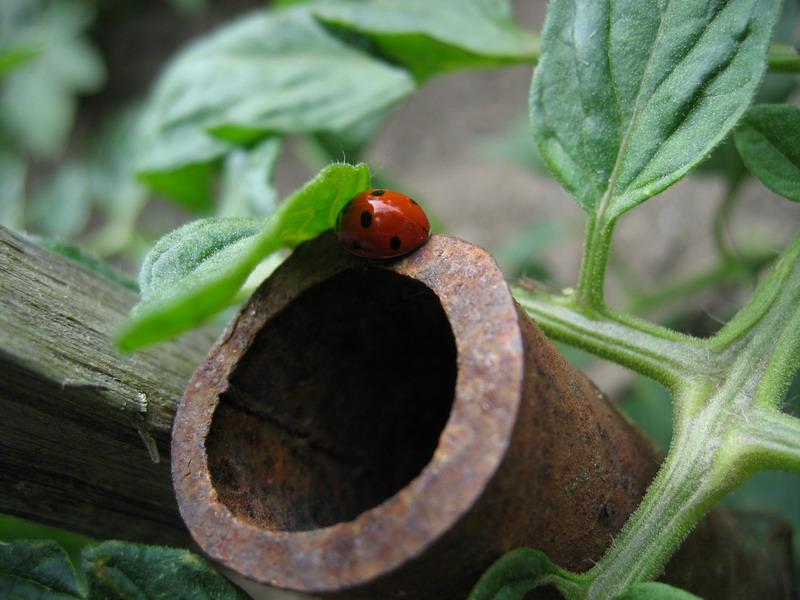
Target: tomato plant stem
x=727, y=392
x=591, y=281
x=663, y=354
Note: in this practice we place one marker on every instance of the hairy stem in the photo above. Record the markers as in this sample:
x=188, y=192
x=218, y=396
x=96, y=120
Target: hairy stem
x=726, y=427
x=725, y=270
x=770, y=440
x=771, y=304
x=591, y=292
x=663, y=354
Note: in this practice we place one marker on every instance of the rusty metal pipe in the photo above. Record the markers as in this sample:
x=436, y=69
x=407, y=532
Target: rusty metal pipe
x=386, y=430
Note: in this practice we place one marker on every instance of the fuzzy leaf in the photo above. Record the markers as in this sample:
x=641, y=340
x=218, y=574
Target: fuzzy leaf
x=266, y=74
x=206, y=244
x=37, y=570
x=653, y=590
x=767, y=140
x=123, y=571
x=631, y=95
x=517, y=573
x=195, y=271
x=434, y=37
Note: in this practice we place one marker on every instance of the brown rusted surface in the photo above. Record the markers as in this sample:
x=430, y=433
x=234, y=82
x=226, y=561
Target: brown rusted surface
x=388, y=430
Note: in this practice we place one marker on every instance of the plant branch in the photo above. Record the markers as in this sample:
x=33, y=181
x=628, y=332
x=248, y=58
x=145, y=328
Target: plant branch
x=770, y=439
x=678, y=497
x=723, y=271
x=783, y=58
x=596, y=248
x=722, y=217
x=767, y=330
x=665, y=355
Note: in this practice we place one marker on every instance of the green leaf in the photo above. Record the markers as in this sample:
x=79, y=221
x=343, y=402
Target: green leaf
x=631, y=95
x=435, y=37
x=767, y=140
x=124, y=571
x=15, y=57
x=199, y=246
x=37, y=102
x=653, y=590
x=180, y=162
x=62, y=208
x=15, y=529
x=37, y=570
x=725, y=159
x=195, y=271
x=517, y=573
x=12, y=190
x=247, y=189
x=263, y=75
x=87, y=259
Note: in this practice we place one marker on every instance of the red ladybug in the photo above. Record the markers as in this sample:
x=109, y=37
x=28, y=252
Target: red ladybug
x=382, y=224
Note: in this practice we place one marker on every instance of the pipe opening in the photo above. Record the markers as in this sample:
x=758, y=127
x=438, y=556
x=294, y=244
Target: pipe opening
x=337, y=405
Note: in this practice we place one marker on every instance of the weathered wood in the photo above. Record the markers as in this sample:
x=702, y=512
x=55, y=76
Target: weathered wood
x=84, y=428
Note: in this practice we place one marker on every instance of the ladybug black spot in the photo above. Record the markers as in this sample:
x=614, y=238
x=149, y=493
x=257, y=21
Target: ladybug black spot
x=377, y=192
x=366, y=219
x=356, y=245
x=395, y=243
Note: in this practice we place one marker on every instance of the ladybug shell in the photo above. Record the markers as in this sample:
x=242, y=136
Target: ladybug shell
x=382, y=224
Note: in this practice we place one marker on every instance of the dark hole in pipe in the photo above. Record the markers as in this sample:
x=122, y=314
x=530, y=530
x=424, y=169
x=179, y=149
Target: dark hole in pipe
x=337, y=405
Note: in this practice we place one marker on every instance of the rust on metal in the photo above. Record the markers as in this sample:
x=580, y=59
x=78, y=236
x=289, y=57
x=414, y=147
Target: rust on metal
x=389, y=429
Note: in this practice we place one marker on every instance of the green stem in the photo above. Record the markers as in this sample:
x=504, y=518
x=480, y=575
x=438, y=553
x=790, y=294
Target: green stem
x=726, y=427
x=697, y=472
x=722, y=217
x=783, y=58
x=663, y=354
x=769, y=439
x=771, y=305
x=723, y=271
x=599, y=232
x=678, y=497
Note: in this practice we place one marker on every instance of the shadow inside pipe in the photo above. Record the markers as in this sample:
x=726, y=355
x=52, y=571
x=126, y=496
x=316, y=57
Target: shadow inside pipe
x=337, y=405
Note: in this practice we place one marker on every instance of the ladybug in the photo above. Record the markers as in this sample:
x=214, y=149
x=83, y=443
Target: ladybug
x=382, y=224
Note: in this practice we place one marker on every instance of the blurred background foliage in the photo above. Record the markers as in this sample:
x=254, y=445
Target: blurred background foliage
x=73, y=111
